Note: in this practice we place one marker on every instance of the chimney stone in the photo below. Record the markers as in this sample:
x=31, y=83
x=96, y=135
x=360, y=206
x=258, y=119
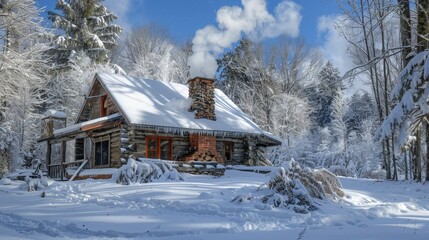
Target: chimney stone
x=201, y=91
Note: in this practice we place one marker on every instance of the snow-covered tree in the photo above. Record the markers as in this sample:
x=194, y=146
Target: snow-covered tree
x=10, y=158
x=411, y=94
x=328, y=88
x=148, y=52
x=87, y=26
x=411, y=110
x=338, y=122
x=360, y=108
x=22, y=74
x=290, y=116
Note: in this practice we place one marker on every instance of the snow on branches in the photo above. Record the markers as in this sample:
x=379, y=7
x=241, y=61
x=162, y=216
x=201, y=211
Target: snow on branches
x=145, y=171
x=295, y=188
x=411, y=93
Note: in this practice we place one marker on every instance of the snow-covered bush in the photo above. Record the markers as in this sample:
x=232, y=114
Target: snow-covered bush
x=143, y=172
x=9, y=151
x=294, y=188
x=289, y=193
x=34, y=184
x=330, y=182
x=378, y=174
x=5, y=181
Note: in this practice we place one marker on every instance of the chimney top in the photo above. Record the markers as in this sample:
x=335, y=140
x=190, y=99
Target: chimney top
x=201, y=90
x=201, y=78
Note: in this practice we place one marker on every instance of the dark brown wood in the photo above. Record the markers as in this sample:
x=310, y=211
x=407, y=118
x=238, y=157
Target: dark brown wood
x=48, y=153
x=63, y=159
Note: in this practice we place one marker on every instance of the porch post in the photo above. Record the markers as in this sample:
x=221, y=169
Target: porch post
x=63, y=159
x=48, y=158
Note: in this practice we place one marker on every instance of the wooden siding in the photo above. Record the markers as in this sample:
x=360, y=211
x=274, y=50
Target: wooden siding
x=91, y=110
x=113, y=136
x=137, y=143
x=237, y=152
x=180, y=145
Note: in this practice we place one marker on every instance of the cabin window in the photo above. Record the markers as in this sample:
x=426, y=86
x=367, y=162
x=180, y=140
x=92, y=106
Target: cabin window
x=158, y=147
x=228, y=148
x=103, y=106
x=102, y=153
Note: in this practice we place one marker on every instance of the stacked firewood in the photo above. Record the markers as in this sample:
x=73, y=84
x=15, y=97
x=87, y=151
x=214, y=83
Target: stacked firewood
x=205, y=157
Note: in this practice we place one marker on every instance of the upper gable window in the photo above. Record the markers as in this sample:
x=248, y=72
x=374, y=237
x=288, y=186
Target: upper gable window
x=103, y=106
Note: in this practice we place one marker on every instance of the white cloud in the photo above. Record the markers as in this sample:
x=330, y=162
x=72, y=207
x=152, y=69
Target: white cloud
x=120, y=8
x=335, y=49
x=252, y=20
x=334, y=45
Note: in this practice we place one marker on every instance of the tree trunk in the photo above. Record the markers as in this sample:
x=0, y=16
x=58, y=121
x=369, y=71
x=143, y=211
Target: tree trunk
x=417, y=156
x=388, y=170
x=410, y=157
x=422, y=44
x=404, y=6
x=422, y=25
x=395, y=170
x=406, y=165
x=427, y=152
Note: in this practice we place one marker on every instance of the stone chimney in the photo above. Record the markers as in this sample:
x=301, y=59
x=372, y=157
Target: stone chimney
x=201, y=90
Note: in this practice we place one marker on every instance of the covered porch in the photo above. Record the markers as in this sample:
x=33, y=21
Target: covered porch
x=85, y=145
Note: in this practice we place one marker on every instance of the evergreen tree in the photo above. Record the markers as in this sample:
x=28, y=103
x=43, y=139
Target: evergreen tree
x=88, y=26
x=360, y=108
x=328, y=88
x=235, y=69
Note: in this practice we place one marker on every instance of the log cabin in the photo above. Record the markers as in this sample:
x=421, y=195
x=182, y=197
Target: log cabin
x=123, y=117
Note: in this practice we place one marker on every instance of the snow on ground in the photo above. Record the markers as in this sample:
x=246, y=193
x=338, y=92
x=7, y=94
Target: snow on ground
x=200, y=208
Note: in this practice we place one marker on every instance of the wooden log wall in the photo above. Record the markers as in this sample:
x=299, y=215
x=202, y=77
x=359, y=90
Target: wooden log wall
x=238, y=152
x=91, y=109
x=113, y=136
x=180, y=145
x=137, y=143
x=127, y=141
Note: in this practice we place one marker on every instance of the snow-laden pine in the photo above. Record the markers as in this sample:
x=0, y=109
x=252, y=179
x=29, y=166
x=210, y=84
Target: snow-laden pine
x=88, y=26
x=411, y=95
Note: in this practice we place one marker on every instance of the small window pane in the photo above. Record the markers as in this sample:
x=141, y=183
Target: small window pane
x=102, y=153
x=98, y=153
x=105, y=153
x=151, y=145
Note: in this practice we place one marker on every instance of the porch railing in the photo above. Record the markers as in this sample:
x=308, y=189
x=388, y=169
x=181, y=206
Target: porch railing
x=58, y=171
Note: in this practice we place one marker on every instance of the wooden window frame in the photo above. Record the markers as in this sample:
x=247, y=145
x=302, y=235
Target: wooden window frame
x=103, y=108
x=158, y=146
x=108, y=153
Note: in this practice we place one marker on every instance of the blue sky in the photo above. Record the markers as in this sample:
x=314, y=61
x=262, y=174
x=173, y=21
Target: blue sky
x=182, y=18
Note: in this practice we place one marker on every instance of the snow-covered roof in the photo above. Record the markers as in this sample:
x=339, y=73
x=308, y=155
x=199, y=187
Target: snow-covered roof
x=158, y=103
x=78, y=126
